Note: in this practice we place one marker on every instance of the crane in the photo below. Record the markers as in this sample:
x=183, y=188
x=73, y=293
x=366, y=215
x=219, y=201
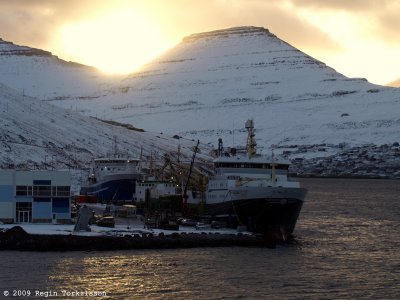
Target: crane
x=184, y=195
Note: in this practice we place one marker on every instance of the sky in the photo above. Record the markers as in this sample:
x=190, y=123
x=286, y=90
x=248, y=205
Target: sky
x=358, y=38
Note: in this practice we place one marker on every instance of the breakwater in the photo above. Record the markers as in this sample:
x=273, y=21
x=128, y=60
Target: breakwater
x=16, y=238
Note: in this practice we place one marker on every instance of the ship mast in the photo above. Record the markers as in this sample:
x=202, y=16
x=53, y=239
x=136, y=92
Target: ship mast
x=251, y=142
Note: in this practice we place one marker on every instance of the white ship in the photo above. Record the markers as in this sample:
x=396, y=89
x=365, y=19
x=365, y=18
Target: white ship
x=254, y=191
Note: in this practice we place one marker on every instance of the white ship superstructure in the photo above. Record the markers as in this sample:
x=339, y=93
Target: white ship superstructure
x=254, y=190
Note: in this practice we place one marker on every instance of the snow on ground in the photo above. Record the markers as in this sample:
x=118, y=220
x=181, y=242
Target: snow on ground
x=119, y=230
x=123, y=226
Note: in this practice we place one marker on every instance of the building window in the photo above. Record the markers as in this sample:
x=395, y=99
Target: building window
x=41, y=191
x=60, y=191
x=23, y=190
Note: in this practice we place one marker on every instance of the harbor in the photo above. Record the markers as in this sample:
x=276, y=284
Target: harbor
x=345, y=225
x=240, y=188
x=145, y=158
x=241, y=198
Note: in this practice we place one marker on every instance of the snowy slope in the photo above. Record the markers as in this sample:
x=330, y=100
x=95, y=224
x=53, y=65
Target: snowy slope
x=40, y=74
x=35, y=134
x=208, y=85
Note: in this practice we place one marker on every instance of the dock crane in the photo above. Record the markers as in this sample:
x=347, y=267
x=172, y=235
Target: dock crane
x=184, y=192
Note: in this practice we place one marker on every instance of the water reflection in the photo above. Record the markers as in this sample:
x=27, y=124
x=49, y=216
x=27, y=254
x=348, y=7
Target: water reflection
x=346, y=247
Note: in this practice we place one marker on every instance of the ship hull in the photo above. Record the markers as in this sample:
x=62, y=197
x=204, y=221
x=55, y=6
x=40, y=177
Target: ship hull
x=261, y=209
x=113, y=189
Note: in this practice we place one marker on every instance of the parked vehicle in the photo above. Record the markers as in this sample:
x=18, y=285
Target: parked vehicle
x=188, y=222
x=106, y=222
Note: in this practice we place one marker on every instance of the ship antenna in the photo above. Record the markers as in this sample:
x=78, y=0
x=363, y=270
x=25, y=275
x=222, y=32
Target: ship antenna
x=233, y=135
x=220, y=147
x=141, y=158
x=273, y=170
x=251, y=142
x=115, y=145
x=150, y=162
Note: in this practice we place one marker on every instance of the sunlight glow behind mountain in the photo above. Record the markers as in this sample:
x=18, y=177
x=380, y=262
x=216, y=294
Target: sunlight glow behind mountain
x=104, y=42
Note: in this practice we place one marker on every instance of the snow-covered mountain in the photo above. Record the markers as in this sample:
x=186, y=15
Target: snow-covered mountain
x=40, y=74
x=37, y=135
x=395, y=83
x=211, y=83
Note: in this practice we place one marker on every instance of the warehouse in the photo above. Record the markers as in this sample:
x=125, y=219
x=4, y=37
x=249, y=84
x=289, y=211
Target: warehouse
x=35, y=196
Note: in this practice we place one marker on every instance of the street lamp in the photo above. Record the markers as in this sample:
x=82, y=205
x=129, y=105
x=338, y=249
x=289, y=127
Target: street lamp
x=52, y=161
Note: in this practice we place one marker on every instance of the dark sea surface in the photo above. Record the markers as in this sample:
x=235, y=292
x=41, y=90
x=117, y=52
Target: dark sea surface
x=347, y=246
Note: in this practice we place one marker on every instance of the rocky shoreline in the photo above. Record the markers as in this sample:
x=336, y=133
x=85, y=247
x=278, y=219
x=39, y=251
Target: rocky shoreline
x=16, y=238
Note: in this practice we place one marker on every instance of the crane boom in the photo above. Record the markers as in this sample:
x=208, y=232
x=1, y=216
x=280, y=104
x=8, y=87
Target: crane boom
x=185, y=196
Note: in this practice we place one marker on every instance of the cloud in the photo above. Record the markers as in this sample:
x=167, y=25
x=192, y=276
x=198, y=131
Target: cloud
x=287, y=26
x=384, y=14
x=33, y=22
x=198, y=16
x=352, y=5
x=373, y=24
x=389, y=22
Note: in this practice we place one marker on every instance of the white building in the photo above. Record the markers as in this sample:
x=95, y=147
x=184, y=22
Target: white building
x=35, y=196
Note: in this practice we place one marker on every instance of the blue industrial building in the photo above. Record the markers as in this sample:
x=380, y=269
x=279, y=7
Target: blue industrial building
x=35, y=196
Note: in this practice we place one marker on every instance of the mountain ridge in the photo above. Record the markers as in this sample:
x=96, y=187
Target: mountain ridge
x=39, y=73
x=395, y=83
x=210, y=83
x=247, y=72
x=14, y=49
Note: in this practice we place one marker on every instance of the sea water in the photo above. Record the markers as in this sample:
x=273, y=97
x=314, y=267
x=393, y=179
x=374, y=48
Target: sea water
x=347, y=246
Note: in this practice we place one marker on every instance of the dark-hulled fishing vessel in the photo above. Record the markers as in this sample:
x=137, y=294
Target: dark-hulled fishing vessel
x=254, y=191
x=113, y=179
